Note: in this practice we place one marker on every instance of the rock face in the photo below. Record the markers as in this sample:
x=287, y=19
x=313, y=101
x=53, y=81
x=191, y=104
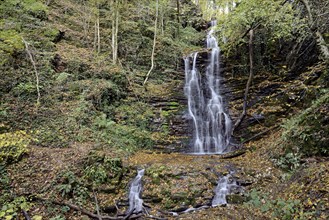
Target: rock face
x=269, y=99
x=177, y=181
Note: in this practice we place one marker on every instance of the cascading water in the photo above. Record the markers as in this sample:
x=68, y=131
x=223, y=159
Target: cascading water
x=212, y=126
x=224, y=187
x=135, y=201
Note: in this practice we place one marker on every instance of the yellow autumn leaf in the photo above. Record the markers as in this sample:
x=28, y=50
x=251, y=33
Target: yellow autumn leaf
x=37, y=217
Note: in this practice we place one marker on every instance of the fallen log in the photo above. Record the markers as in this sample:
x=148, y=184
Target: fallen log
x=90, y=214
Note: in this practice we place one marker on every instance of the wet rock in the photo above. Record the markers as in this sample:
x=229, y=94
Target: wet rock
x=179, y=196
x=245, y=182
x=152, y=199
x=181, y=209
x=235, y=199
x=109, y=209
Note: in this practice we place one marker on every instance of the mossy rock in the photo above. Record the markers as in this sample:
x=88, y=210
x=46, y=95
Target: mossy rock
x=235, y=199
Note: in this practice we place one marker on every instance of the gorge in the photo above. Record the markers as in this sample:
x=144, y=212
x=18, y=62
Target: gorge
x=129, y=109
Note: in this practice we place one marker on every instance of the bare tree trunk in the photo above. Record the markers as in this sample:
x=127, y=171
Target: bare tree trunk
x=95, y=36
x=178, y=17
x=251, y=75
x=35, y=70
x=154, y=43
x=162, y=20
x=113, y=41
x=115, y=30
x=98, y=37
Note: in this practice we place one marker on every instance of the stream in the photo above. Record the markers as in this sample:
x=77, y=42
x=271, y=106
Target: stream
x=211, y=124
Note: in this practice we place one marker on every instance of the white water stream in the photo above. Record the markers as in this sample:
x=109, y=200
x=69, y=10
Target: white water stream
x=224, y=188
x=135, y=201
x=211, y=125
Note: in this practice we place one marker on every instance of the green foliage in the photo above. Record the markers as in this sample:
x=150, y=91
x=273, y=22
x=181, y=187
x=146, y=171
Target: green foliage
x=13, y=146
x=70, y=186
x=52, y=136
x=133, y=113
x=101, y=168
x=35, y=8
x=276, y=20
x=62, y=77
x=4, y=184
x=289, y=161
x=306, y=133
x=26, y=90
x=11, y=209
x=10, y=42
x=58, y=217
x=278, y=208
x=118, y=136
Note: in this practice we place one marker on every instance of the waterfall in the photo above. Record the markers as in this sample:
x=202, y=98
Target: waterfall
x=224, y=187
x=135, y=202
x=212, y=126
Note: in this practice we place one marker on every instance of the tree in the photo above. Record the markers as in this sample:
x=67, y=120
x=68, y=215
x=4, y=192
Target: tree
x=318, y=23
x=154, y=42
x=274, y=18
x=115, y=29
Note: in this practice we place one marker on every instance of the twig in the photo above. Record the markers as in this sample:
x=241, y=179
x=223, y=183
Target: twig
x=26, y=215
x=118, y=210
x=129, y=214
x=97, y=207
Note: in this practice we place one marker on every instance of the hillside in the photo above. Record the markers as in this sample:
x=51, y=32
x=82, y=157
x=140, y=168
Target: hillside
x=93, y=90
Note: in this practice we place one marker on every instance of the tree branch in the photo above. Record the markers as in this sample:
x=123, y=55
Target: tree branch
x=251, y=74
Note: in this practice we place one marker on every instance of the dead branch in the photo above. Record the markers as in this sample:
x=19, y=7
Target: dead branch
x=35, y=69
x=26, y=215
x=129, y=214
x=97, y=207
x=88, y=213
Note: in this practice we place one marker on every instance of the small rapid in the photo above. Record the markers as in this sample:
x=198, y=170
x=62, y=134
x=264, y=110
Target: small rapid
x=135, y=200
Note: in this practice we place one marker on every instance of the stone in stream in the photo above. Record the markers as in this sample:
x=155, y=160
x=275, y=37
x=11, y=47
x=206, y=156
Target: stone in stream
x=226, y=186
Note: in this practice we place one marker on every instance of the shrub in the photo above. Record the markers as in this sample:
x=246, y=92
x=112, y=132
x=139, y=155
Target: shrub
x=307, y=133
x=13, y=146
x=123, y=137
x=10, y=210
x=278, y=208
x=100, y=168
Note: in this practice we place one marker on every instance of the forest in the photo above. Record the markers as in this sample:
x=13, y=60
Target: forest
x=164, y=109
